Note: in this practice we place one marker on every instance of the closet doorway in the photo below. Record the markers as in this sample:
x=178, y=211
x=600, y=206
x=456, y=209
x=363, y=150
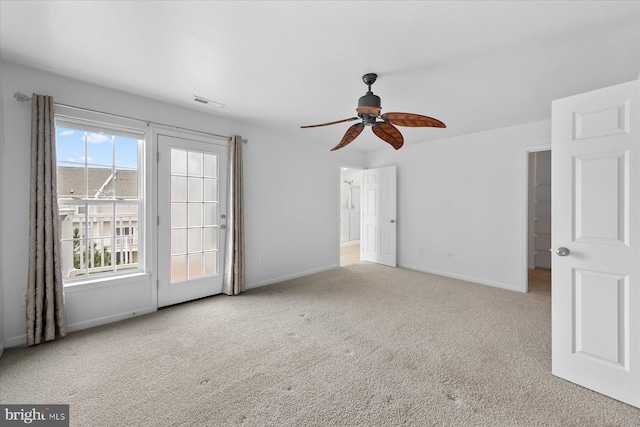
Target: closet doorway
x=350, y=185
x=539, y=235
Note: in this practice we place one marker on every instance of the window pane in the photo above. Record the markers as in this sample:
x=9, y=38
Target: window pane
x=71, y=232
x=69, y=145
x=178, y=268
x=210, y=214
x=195, y=214
x=178, y=162
x=98, y=254
x=195, y=164
x=210, y=263
x=195, y=266
x=179, y=241
x=210, y=239
x=126, y=152
x=178, y=215
x=100, y=220
x=195, y=240
x=178, y=189
x=127, y=218
x=210, y=165
x=126, y=252
x=70, y=181
x=195, y=189
x=79, y=260
x=210, y=190
x=99, y=149
x=127, y=226
x=101, y=183
x=126, y=184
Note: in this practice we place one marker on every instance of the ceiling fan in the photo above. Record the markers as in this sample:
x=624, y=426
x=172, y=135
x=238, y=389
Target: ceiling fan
x=381, y=124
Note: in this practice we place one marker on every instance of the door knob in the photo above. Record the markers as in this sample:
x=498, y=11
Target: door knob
x=393, y=221
x=562, y=251
x=223, y=226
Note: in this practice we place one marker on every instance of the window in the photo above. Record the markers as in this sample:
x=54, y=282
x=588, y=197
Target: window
x=100, y=199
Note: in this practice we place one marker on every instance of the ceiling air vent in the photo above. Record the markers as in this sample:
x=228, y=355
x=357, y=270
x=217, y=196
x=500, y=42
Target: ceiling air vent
x=202, y=100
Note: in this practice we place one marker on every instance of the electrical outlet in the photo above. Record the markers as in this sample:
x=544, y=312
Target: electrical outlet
x=450, y=254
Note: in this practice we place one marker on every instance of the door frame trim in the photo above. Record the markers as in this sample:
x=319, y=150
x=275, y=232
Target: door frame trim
x=524, y=263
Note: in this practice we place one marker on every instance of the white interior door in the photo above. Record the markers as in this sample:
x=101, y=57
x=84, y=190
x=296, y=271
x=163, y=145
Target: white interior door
x=191, y=218
x=378, y=236
x=596, y=216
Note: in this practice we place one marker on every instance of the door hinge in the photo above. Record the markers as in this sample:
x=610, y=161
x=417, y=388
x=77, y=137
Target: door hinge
x=157, y=156
x=157, y=284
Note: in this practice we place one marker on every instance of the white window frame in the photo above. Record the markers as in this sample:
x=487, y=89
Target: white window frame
x=91, y=121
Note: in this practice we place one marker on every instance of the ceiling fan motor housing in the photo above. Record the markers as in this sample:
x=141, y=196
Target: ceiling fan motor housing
x=369, y=104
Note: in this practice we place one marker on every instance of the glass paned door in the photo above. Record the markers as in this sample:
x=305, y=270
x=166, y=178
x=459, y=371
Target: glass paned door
x=191, y=207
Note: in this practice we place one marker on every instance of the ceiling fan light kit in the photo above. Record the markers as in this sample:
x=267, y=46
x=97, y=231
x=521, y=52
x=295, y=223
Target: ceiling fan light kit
x=369, y=108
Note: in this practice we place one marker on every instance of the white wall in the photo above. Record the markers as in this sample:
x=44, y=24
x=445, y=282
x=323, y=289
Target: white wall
x=292, y=191
x=462, y=204
x=291, y=185
x=2, y=345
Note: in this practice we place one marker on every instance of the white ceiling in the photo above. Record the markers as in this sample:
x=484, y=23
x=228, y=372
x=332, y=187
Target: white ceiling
x=476, y=65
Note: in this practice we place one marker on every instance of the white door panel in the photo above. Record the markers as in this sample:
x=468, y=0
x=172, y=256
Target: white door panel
x=378, y=239
x=191, y=218
x=596, y=216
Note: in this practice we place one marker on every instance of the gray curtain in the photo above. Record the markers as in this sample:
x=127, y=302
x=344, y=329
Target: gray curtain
x=234, y=256
x=46, y=317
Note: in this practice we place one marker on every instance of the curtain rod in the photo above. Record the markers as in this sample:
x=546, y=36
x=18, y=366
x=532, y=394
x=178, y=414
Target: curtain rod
x=21, y=97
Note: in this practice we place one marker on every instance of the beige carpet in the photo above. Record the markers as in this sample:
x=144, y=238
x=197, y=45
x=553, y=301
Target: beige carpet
x=362, y=345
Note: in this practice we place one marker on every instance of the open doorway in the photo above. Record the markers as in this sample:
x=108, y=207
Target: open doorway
x=350, y=185
x=539, y=222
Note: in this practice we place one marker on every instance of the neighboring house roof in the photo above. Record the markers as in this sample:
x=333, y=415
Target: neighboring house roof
x=71, y=182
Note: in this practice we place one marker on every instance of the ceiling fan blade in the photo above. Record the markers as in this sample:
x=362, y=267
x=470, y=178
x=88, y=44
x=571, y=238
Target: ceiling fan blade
x=332, y=123
x=388, y=133
x=350, y=135
x=412, y=120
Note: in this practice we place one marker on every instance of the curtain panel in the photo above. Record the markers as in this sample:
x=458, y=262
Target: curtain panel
x=234, y=281
x=46, y=316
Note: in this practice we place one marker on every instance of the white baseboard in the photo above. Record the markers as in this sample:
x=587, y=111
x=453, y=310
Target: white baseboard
x=465, y=278
x=16, y=341
x=21, y=340
x=350, y=243
x=290, y=276
x=86, y=324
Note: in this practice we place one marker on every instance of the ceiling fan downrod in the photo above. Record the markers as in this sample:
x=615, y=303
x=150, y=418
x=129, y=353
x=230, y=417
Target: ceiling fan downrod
x=369, y=104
